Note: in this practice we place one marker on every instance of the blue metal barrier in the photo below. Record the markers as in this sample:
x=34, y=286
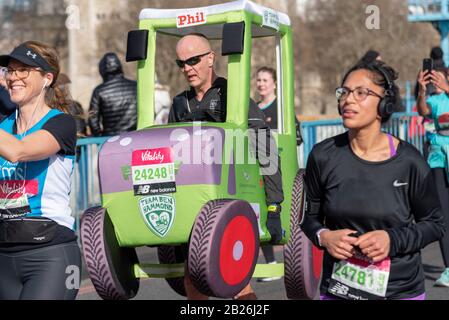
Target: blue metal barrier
x=406, y=126
x=316, y=131
x=428, y=10
x=408, y=101
x=86, y=192
x=85, y=186
x=435, y=12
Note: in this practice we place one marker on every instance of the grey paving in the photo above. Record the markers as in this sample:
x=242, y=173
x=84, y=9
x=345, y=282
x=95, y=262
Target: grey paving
x=157, y=289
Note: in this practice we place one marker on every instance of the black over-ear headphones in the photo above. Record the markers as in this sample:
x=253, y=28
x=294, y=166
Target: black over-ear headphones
x=386, y=105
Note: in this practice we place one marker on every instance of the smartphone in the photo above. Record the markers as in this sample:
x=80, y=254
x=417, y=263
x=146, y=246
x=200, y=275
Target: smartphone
x=427, y=65
x=355, y=234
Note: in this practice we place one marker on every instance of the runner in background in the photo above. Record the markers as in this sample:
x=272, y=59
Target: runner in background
x=266, y=89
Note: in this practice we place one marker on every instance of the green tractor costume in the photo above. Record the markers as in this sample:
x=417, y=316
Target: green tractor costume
x=160, y=188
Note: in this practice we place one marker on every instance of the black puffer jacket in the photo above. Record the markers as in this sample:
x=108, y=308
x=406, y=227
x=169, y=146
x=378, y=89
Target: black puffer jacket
x=114, y=102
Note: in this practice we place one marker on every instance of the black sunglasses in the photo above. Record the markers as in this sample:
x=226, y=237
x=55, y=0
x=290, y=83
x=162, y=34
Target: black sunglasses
x=191, y=61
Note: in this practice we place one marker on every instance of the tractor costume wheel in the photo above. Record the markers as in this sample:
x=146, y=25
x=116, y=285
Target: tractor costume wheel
x=168, y=255
x=303, y=261
x=223, y=248
x=110, y=267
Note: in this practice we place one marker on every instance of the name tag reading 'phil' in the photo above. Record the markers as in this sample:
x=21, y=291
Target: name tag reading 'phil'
x=153, y=171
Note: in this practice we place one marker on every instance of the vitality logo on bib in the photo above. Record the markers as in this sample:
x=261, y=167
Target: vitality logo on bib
x=158, y=212
x=443, y=121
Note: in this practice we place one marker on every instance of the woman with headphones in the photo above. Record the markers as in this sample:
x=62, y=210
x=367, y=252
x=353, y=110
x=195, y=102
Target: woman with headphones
x=371, y=198
x=39, y=254
x=436, y=108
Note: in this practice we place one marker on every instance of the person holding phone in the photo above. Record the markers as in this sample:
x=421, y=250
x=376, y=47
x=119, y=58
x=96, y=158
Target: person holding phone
x=369, y=182
x=436, y=108
x=435, y=58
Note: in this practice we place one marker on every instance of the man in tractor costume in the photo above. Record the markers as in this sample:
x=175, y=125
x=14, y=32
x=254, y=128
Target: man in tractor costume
x=206, y=101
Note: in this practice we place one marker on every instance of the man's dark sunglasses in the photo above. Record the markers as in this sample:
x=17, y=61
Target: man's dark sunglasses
x=191, y=61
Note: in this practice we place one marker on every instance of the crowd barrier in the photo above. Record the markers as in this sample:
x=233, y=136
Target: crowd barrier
x=85, y=186
x=407, y=126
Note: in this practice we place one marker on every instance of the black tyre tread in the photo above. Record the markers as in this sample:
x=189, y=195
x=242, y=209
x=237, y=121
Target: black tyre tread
x=167, y=255
x=94, y=253
x=198, y=247
x=91, y=229
x=294, y=281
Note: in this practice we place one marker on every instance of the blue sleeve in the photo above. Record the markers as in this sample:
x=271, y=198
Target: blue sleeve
x=432, y=101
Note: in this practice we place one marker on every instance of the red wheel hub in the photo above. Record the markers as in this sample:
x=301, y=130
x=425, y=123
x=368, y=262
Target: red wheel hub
x=237, y=250
x=317, y=260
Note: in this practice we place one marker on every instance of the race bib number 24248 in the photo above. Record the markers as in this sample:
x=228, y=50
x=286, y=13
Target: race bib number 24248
x=153, y=171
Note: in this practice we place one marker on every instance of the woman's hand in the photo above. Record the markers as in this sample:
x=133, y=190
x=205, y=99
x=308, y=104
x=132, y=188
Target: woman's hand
x=374, y=244
x=439, y=80
x=338, y=243
x=423, y=81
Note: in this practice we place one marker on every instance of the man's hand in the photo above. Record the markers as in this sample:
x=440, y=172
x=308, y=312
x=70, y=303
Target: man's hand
x=375, y=245
x=338, y=243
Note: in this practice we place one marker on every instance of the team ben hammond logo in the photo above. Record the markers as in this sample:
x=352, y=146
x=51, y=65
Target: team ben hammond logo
x=158, y=212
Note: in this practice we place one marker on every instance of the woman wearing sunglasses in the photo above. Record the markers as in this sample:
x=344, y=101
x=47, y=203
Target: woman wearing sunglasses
x=39, y=255
x=371, y=198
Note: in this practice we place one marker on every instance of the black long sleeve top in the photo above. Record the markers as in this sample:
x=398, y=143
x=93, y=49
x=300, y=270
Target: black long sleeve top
x=397, y=195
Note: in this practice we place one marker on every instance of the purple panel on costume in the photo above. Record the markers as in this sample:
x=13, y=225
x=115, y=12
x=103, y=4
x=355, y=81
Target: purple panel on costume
x=231, y=176
x=116, y=154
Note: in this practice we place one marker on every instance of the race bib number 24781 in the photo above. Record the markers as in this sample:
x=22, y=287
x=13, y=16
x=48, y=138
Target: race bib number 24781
x=358, y=279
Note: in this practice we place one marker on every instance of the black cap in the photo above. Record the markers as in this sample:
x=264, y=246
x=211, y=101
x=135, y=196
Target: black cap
x=438, y=65
x=436, y=53
x=27, y=56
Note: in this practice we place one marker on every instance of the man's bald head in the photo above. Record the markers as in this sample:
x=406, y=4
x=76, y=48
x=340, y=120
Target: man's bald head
x=199, y=71
x=192, y=45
